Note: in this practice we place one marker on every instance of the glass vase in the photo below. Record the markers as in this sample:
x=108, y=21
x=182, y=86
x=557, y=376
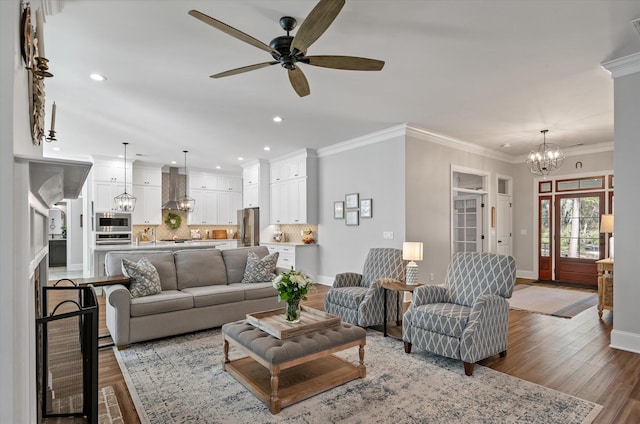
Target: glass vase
x=292, y=311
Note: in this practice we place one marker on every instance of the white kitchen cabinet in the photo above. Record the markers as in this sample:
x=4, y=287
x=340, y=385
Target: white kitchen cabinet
x=206, y=208
x=228, y=205
x=301, y=257
x=278, y=171
x=147, y=175
x=294, y=189
x=148, y=209
x=229, y=183
x=251, y=175
x=203, y=180
x=104, y=194
x=112, y=171
x=279, y=204
x=250, y=196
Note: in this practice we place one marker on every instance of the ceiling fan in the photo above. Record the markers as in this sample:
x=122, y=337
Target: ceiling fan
x=289, y=51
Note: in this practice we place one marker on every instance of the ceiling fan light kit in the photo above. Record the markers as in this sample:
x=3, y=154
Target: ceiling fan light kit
x=288, y=50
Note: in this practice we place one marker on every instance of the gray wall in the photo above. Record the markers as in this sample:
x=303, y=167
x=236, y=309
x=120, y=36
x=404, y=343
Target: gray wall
x=626, y=293
x=524, y=203
x=428, y=192
x=374, y=171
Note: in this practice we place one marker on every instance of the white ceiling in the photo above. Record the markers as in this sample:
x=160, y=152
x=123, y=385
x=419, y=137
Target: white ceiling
x=484, y=72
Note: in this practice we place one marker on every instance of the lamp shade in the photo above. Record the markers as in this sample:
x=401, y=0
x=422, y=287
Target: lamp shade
x=412, y=251
x=606, y=223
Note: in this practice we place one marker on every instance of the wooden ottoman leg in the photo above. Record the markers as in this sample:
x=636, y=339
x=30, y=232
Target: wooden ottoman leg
x=225, y=348
x=274, y=402
x=362, y=367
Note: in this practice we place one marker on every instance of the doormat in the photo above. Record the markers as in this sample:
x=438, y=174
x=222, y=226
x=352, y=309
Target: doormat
x=554, y=301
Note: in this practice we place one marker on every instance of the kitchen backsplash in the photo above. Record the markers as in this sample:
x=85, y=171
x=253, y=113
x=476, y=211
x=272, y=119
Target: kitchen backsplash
x=293, y=233
x=184, y=231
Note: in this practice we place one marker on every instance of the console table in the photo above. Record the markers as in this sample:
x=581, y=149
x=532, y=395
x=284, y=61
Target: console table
x=605, y=285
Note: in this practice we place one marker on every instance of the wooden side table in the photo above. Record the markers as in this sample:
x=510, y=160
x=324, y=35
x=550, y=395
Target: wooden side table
x=399, y=287
x=605, y=285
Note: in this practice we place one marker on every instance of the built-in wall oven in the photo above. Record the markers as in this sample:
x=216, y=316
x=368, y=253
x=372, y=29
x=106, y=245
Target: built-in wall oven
x=113, y=228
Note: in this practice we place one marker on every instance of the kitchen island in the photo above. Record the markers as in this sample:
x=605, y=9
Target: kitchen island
x=100, y=251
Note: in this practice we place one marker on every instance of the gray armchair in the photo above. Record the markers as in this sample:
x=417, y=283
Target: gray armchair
x=468, y=317
x=358, y=298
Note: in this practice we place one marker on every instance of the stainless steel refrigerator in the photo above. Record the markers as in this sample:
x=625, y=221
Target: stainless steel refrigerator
x=249, y=227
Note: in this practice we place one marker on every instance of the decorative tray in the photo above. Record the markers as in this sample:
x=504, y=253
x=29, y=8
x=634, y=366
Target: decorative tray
x=274, y=322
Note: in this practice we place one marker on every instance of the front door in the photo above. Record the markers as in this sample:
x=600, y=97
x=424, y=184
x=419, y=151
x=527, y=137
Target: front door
x=577, y=237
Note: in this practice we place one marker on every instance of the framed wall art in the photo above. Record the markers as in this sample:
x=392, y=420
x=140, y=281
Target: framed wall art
x=365, y=208
x=338, y=210
x=351, y=217
x=351, y=201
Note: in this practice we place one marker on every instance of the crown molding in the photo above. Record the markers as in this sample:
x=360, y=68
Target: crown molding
x=577, y=151
x=354, y=143
x=623, y=66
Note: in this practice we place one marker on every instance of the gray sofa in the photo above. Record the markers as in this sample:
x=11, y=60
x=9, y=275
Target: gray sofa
x=201, y=288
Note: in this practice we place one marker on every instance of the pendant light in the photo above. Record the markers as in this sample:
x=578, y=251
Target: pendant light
x=186, y=203
x=125, y=202
x=546, y=158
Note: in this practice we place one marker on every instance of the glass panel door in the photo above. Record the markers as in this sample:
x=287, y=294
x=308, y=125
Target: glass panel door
x=467, y=224
x=545, y=268
x=578, y=242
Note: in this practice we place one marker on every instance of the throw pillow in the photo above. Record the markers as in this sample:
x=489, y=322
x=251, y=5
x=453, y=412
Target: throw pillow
x=144, y=277
x=260, y=270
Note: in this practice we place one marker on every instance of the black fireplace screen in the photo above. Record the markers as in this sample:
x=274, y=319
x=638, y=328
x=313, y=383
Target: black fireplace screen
x=68, y=356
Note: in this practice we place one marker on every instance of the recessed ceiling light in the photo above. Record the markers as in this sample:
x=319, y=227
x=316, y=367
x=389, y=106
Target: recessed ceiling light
x=505, y=145
x=218, y=167
x=267, y=148
x=121, y=156
x=97, y=77
x=277, y=119
x=57, y=149
x=173, y=162
x=240, y=158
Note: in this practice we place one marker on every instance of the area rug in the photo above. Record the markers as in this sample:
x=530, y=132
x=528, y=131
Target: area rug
x=181, y=380
x=554, y=301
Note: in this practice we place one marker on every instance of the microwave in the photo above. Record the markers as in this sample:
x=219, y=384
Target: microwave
x=113, y=222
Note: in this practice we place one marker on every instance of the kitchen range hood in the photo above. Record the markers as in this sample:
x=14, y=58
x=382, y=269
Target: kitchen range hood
x=172, y=204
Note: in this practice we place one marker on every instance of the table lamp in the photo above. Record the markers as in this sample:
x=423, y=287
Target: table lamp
x=606, y=226
x=412, y=251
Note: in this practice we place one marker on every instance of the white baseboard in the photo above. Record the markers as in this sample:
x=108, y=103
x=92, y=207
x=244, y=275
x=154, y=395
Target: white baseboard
x=325, y=280
x=74, y=267
x=624, y=340
x=526, y=274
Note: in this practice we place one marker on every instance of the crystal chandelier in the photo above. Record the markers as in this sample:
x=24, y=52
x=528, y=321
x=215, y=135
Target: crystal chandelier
x=125, y=202
x=546, y=158
x=186, y=203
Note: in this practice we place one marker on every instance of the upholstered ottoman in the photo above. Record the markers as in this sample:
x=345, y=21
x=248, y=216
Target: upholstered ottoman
x=283, y=372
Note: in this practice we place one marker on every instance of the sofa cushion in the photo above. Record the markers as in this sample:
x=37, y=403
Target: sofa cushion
x=260, y=270
x=214, y=295
x=199, y=267
x=236, y=261
x=144, y=277
x=443, y=318
x=163, y=261
x=166, y=301
x=256, y=290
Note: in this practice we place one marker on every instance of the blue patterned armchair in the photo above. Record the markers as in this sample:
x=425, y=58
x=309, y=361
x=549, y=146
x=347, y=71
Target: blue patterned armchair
x=359, y=298
x=468, y=317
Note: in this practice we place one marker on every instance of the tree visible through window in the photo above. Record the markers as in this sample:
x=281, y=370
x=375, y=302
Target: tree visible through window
x=579, y=227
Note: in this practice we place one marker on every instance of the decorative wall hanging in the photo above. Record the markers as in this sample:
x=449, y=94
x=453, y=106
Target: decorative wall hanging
x=366, y=208
x=352, y=217
x=351, y=201
x=338, y=210
x=173, y=221
x=32, y=43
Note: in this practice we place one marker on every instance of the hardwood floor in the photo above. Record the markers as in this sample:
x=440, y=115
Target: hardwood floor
x=569, y=355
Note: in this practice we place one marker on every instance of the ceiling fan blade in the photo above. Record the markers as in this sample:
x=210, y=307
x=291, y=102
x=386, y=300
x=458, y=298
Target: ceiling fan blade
x=349, y=63
x=316, y=23
x=299, y=82
x=232, y=31
x=243, y=69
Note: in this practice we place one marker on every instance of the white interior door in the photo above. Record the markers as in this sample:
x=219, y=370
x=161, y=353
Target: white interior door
x=504, y=225
x=467, y=223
